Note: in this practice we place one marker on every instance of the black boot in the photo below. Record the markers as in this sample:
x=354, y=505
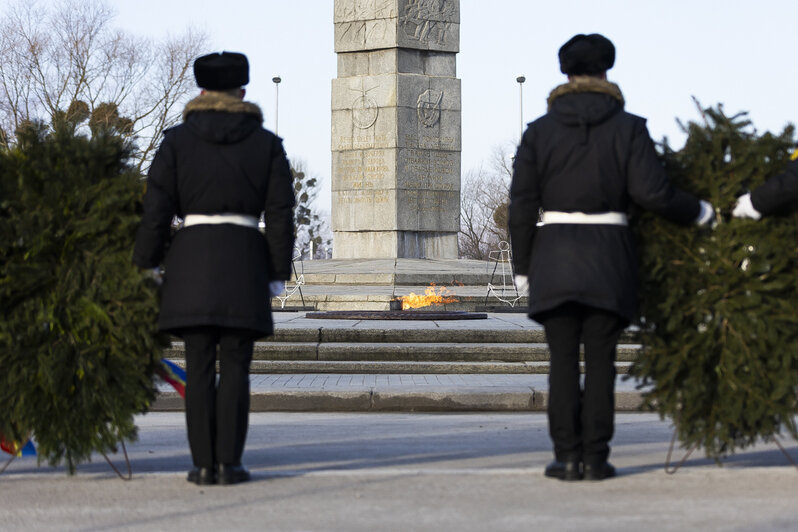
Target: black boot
x=599, y=471
x=233, y=474
x=202, y=476
x=566, y=470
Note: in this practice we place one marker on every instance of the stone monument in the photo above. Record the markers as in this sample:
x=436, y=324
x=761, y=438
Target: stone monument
x=396, y=129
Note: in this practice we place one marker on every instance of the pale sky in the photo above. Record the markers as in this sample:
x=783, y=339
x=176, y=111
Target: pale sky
x=742, y=53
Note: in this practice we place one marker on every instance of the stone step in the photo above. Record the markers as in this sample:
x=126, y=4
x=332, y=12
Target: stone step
x=261, y=367
x=404, y=352
x=418, y=334
x=398, y=272
x=365, y=291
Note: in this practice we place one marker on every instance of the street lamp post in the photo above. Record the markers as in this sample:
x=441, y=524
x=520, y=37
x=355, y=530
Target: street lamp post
x=521, y=80
x=276, y=80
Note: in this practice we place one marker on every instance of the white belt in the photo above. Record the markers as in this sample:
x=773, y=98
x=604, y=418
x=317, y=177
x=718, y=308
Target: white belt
x=604, y=218
x=244, y=220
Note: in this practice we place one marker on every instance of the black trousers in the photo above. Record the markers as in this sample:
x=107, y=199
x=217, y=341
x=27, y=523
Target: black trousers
x=217, y=415
x=582, y=420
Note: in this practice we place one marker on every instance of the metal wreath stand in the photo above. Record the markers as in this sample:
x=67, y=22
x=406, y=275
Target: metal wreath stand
x=672, y=469
x=127, y=463
x=129, y=475
x=501, y=257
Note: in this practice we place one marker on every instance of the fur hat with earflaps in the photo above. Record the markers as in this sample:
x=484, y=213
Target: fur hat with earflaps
x=221, y=71
x=586, y=55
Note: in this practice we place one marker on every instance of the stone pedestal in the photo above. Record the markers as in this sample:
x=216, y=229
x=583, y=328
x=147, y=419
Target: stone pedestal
x=396, y=129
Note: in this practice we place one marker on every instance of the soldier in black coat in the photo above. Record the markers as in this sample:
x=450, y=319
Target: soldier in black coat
x=778, y=193
x=578, y=169
x=219, y=170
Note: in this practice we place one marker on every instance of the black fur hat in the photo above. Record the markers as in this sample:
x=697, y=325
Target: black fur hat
x=221, y=71
x=587, y=54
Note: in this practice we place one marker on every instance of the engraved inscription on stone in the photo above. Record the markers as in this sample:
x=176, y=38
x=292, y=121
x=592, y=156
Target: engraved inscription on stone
x=424, y=201
x=430, y=142
x=362, y=170
x=375, y=169
x=429, y=170
x=362, y=196
x=428, y=106
x=423, y=20
x=360, y=142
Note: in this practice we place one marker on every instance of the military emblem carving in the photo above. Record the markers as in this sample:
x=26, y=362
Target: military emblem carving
x=364, y=109
x=428, y=107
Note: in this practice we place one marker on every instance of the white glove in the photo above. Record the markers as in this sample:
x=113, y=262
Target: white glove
x=706, y=215
x=156, y=275
x=745, y=209
x=276, y=288
x=522, y=284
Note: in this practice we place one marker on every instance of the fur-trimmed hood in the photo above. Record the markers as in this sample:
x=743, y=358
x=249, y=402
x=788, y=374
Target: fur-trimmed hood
x=222, y=119
x=581, y=84
x=222, y=103
x=584, y=102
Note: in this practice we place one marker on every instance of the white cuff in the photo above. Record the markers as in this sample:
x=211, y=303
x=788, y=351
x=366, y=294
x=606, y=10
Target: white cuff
x=706, y=215
x=521, y=283
x=745, y=208
x=156, y=275
x=276, y=288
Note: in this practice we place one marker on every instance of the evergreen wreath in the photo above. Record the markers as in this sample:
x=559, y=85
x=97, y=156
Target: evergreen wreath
x=78, y=334
x=719, y=325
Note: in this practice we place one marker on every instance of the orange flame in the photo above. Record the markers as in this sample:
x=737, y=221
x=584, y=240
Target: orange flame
x=433, y=295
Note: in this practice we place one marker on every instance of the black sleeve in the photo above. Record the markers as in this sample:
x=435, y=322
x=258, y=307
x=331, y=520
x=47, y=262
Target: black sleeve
x=778, y=192
x=279, y=216
x=649, y=186
x=524, y=203
x=160, y=205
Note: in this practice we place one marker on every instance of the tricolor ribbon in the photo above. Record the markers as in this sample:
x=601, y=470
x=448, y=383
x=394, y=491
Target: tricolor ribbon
x=15, y=449
x=173, y=374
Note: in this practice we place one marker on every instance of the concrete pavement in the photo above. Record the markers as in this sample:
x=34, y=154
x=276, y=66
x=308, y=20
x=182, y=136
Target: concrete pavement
x=441, y=472
x=337, y=392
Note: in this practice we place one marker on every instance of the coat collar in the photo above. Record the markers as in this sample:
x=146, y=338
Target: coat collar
x=222, y=103
x=582, y=84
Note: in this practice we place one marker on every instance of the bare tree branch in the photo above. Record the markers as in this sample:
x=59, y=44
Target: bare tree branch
x=484, y=197
x=58, y=53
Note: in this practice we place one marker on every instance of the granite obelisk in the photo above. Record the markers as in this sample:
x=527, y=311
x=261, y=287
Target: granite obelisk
x=396, y=129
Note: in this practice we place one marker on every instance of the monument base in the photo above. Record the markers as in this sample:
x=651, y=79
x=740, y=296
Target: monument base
x=394, y=244
x=373, y=284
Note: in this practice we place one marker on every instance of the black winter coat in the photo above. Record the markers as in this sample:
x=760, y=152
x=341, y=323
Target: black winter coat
x=778, y=192
x=586, y=155
x=219, y=160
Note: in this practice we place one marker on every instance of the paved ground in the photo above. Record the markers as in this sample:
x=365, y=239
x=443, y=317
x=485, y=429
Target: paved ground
x=455, y=471
x=336, y=392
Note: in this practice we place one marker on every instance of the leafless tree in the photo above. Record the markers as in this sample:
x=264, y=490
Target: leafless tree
x=484, y=197
x=66, y=57
x=311, y=227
